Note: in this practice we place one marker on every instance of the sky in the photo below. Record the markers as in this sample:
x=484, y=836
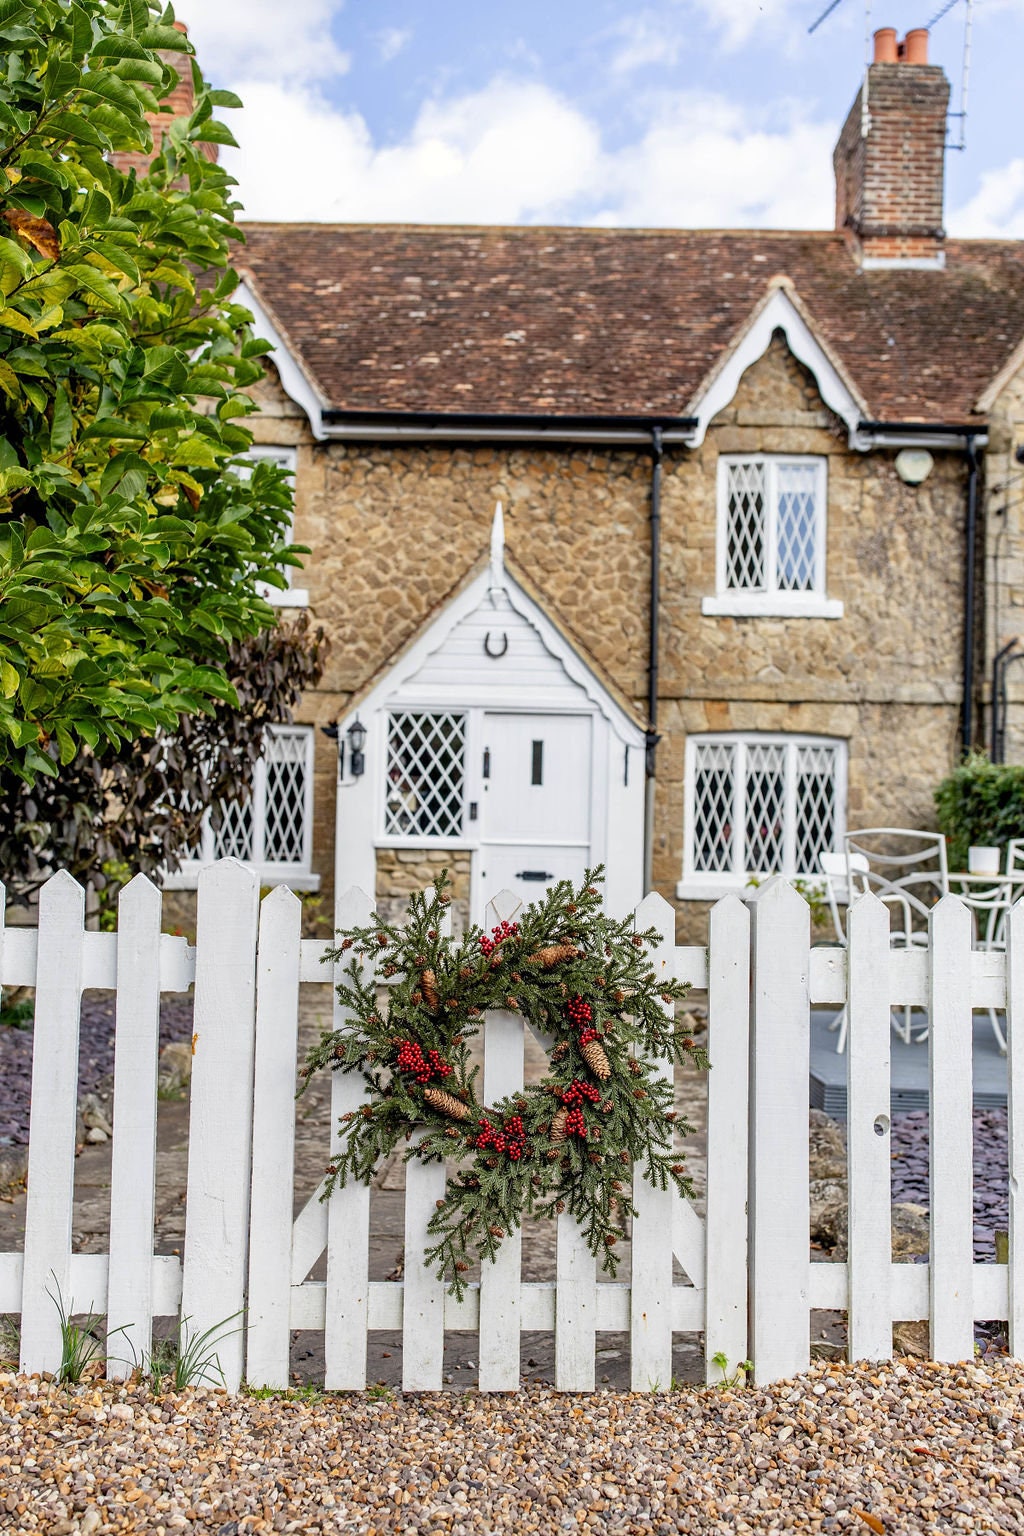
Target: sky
x=687, y=113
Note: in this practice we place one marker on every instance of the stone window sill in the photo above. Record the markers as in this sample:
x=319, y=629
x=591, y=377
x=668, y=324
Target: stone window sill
x=789, y=605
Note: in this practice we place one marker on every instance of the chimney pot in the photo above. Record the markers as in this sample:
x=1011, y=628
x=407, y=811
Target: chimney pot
x=915, y=46
x=885, y=45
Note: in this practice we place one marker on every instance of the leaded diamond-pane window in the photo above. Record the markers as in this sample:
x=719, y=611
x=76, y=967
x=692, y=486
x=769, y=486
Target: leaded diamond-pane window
x=273, y=829
x=426, y=775
x=772, y=525
x=762, y=805
x=714, y=797
x=284, y=823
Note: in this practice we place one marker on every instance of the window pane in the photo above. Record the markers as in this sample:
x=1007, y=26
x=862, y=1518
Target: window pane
x=745, y=531
x=285, y=814
x=425, y=775
x=234, y=840
x=797, y=527
x=815, y=806
x=765, y=808
x=713, y=788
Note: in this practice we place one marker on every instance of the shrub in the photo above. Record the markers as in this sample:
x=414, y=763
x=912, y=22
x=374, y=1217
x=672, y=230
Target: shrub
x=980, y=803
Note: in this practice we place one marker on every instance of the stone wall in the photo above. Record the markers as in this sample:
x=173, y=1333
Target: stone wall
x=401, y=872
x=1004, y=557
x=395, y=528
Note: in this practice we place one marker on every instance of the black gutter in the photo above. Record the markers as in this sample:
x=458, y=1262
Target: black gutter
x=967, y=708
x=651, y=737
x=921, y=428
x=657, y=453
x=544, y=422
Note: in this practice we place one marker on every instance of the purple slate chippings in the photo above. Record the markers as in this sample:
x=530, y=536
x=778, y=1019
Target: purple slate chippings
x=991, y=1171
x=95, y=1056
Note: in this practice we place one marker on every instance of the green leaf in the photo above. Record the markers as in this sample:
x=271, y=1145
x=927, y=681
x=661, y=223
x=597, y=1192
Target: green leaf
x=127, y=474
x=167, y=39
x=63, y=421
x=100, y=287
x=223, y=99
x=15, y=321
x=9, y=680
x=214, y=132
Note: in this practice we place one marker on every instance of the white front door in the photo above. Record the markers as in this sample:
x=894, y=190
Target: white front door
x=535, y=810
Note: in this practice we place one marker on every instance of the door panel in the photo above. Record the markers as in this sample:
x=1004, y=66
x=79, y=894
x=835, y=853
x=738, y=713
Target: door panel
x=528, y=869
x=535, y=807
x=538, y=785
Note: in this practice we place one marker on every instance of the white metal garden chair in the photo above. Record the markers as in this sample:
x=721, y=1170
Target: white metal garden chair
x=909, y=871
x=847, y=876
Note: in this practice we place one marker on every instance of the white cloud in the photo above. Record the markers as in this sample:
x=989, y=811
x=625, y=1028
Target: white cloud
x=996, y=211
x=642, y=41
x=705, y=163
x=391, y=41
x=517, y=152
x=487, y=157
x=265, y=40
x=736, y=20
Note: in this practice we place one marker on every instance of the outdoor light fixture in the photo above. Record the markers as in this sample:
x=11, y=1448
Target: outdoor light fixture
x=914, y=465
x=356, y=735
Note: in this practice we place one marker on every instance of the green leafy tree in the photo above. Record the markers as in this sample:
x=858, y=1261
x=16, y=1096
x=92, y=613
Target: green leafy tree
x=133, y=543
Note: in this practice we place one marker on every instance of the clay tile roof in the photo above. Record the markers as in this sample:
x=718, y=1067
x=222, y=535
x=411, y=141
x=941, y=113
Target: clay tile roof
x=617, y=322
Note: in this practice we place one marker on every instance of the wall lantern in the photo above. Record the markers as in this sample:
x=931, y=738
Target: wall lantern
x=356, y=735
x=914, y=465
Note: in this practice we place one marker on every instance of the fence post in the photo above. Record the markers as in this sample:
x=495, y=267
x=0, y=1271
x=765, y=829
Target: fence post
x=650, y=1303
x=273, y=1140
x=220, y=1117
x=779, y=1143
x=1015, y=1121
x=501, y=1282
x=725, y=1263
x=54, y=1113
x=951, y=1131
x=348, y=1210
x=869, y=1176
x=133, y=1156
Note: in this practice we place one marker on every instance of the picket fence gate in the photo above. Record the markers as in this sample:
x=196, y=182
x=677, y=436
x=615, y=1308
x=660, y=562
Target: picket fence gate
x=750, y=1281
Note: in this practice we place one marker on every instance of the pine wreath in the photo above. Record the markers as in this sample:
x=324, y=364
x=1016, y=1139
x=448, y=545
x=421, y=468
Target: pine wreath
x=567, y=1143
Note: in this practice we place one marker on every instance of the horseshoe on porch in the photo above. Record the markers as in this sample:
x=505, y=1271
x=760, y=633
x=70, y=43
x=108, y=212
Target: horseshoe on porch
x=495, y=655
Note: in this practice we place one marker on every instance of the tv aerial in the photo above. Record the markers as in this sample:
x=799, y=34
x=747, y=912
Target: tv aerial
x=965, y=70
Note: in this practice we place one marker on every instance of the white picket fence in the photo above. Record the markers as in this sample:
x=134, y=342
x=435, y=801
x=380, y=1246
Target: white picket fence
x=750, y=1283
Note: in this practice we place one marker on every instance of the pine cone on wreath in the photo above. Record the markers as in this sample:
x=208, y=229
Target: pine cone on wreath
x=558, y=1131
x=428, y=986
x=594, y=1056
x=552, y=954
x=447, y=1103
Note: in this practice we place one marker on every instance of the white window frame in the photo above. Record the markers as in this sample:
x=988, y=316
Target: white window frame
x=298, y=875
x=287, y=597
x=703, y=885
x=771, y=601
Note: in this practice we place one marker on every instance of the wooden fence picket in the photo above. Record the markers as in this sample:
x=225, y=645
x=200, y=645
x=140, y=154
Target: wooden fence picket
x=268, y=1317
x=650, y=1296
x=575, y=1308
x=1015, y=1123
x=220, y=1117
x=780, y=1071
x=133, y=1155
x=501, y=1282
x=348, y=1210
x=46, y=1275
x=725, y=1243
x=951, y=1132
x=869, y=1176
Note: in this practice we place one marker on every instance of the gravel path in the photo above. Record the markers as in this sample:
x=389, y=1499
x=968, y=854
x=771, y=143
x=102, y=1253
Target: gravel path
x=901, y=1448
x=95, y=1056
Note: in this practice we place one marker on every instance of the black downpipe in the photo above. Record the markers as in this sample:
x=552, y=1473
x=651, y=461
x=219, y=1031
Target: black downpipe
x=652, y=738
x=967, y=709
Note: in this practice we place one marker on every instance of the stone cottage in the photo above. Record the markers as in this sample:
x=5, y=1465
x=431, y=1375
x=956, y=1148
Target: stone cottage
x=751, y=570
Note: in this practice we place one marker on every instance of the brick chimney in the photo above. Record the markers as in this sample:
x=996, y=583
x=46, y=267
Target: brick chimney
x=889, y=160
x=181, y=101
